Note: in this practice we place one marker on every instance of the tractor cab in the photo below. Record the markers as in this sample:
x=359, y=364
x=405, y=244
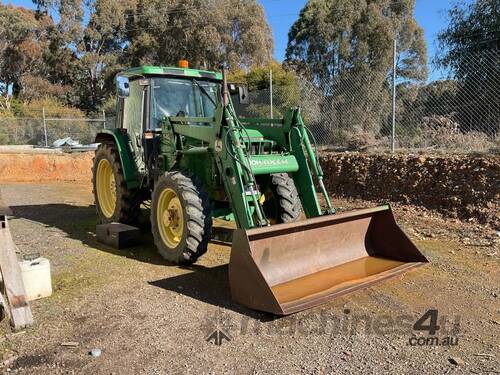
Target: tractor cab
x=148, y=94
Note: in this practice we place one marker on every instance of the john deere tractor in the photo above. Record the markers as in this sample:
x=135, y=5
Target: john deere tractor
x=179, y=143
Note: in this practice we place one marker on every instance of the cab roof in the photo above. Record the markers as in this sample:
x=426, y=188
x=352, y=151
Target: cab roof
x=170, y=71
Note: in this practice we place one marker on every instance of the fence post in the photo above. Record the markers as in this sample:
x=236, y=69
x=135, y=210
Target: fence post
x=45, y=127
x=104, y=119
x=393, y=132
x=271, y=90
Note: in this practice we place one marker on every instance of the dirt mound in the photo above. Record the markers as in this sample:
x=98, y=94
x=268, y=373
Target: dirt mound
x=461, y=186
x=31, y=167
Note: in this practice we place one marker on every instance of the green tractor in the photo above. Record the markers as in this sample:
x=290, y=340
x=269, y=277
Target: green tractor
x=179, y=143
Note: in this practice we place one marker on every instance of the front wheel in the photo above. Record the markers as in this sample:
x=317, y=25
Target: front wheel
x=281, y=202
x=181, y=220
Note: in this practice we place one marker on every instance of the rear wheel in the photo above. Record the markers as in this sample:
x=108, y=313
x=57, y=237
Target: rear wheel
x=281, y=201
x=180, y=217
x=114, y=202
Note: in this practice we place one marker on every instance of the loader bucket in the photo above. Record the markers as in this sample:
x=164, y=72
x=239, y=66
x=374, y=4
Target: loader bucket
x=286, y=268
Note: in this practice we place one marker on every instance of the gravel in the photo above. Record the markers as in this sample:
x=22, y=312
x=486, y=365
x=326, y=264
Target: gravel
x=148, y=317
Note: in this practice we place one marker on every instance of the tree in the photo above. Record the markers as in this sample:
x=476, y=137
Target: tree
x=85, y=55
x=286, y=90
x=93, y=39
x=346, y=48
x=337, y=36
x=414, y=103
x=100, y=49
x=22, y=44
x=206, y=32
x=470, y=48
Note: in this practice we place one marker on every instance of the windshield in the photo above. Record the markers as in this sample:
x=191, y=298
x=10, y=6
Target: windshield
x=182, y=97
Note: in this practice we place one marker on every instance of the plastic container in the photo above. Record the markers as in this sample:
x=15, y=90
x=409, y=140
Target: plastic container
x=36, y=278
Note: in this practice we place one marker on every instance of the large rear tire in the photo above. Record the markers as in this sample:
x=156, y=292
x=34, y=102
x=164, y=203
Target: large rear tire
x=113, y=201
x=181, y=219
x=281, y=203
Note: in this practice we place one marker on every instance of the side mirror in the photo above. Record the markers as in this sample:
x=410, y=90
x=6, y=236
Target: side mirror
x=241, y=90
x=122, y=86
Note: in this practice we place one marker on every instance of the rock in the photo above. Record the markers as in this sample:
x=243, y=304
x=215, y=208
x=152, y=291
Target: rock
x=461, y=187
x=95, y=352
x=9, y=361
x=457, y=361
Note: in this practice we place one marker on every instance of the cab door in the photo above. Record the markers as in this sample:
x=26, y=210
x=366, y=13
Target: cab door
x=135, y=118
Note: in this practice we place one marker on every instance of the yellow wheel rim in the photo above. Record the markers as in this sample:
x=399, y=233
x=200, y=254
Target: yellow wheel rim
x=170, y=218
x=267, y=197
x=106, y=188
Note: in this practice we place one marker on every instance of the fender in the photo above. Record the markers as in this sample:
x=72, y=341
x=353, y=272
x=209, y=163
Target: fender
x=122, y=141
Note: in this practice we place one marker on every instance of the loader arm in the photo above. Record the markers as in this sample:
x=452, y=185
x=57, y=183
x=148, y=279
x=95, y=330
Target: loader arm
x=289, y=267
x=230, y=145
x=291, y=134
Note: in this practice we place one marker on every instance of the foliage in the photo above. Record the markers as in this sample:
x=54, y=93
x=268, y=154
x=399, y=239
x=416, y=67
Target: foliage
x=24, y=123
x=472, y=28
x=37, y=88
x=346, y=48
x=289, y=90
x=334, y=37
x=72, y=49
x=415, y=101
x=53, y=108
x=441, y=132
x=470, y=48
x=208, y=33
x=286, y=91
x=109, y=106
x=22, y=43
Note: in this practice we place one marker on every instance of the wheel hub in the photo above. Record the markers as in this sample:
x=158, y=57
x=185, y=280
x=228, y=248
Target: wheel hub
x=170, y=218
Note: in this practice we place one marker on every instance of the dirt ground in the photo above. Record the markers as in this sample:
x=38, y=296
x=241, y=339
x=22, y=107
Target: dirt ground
x=150, y=317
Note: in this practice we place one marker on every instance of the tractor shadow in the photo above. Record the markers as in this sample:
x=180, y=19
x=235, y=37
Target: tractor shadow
x=207, y=284
x=79, y=223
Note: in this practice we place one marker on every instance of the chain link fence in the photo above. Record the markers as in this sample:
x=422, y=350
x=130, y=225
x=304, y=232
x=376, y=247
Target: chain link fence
x=44, y=131
x=456, y=111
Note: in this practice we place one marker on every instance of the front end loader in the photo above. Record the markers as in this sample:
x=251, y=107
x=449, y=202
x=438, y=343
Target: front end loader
x=179, y=143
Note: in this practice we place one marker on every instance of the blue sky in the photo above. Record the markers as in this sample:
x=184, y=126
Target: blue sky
x=430, y=14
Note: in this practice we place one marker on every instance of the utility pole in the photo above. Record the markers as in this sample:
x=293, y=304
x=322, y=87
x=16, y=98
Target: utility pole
x=271, y=90
x=393, y=133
